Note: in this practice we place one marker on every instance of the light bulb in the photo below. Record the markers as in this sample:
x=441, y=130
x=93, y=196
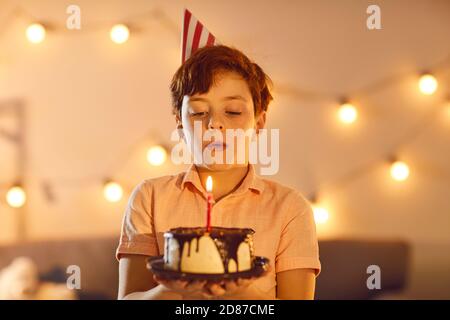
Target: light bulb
x=428, y=84
x=156, y=155
x=113, y=191
x=35, y=33
x=119, y=33
x=16, y=197
x=321, y=214
x=399, y=171
x=348, y=113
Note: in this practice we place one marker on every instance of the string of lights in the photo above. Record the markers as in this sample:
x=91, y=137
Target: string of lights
x=38, y=31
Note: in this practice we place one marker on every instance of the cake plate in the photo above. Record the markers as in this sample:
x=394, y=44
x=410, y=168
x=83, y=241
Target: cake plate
x=156, y=265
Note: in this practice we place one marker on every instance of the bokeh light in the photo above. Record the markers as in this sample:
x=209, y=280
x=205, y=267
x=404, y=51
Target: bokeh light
x=428, y=84
x=119, y=33
x=112, y=191
x=399, y=171
x=36, y=33
x=16, y=197
x=321, y=214
x=347, y=113
x=156, y=155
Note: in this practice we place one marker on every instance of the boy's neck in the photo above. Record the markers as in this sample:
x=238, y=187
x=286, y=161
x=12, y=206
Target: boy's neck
x=224, y=181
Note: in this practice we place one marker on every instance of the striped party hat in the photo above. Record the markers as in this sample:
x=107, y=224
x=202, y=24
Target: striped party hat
x=195, y=36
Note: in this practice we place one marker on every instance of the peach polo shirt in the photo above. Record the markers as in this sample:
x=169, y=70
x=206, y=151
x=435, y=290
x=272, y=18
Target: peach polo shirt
x=282, y=218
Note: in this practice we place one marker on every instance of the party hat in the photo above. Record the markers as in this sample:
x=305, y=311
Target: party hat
x=195, y=36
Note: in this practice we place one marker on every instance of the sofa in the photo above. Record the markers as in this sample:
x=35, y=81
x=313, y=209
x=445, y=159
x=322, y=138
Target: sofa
x=344, y=265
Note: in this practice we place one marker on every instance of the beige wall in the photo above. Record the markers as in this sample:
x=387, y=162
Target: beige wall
x=91, y=106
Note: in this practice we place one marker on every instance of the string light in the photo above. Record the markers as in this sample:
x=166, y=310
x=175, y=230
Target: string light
x=321, y=214
x=399, y=171
x=428, y=84
x=16, y=197
x=35, y=33
x=347, y=113
x=156, y=155
x=119, y=33
x=112, y=191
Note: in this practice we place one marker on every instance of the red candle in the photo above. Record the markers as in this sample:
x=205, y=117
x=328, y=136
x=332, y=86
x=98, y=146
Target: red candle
x=210, y=202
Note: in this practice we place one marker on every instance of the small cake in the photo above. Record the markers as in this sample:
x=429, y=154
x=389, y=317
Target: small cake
x=219, y=251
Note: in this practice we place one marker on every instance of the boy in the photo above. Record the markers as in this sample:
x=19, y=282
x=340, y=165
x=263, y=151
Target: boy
x=222, y=89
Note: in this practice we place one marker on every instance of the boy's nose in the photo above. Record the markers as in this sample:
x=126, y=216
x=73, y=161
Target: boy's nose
x=214, y=124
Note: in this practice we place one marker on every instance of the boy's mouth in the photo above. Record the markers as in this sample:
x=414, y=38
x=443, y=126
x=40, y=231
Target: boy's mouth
x=217, y=145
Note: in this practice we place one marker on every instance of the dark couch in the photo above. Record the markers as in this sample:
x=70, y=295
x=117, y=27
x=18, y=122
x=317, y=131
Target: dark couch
x=344, y=265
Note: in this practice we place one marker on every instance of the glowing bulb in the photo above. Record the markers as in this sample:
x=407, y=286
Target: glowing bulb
x=399, y=171
x=16, y=197
x=209, y=184
x=119, y=33
x=428, y=84
x=156, y=155
x=113, y=191
x=348, y=113
x=35, y=33
x=321, y=214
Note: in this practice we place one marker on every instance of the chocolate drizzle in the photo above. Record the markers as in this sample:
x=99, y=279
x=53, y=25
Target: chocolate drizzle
x=227, y=241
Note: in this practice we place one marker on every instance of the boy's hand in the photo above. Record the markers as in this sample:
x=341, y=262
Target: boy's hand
x=239, y=288
x=226, y=288
x=204, y=289
x=181, y=286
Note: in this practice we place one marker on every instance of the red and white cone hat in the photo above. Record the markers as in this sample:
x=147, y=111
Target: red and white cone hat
x=194, y=36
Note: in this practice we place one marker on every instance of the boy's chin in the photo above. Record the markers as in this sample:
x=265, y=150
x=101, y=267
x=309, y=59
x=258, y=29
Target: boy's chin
x=223, y=166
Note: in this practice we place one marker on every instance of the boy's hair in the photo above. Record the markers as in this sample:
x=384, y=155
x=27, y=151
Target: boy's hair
x=197, y=75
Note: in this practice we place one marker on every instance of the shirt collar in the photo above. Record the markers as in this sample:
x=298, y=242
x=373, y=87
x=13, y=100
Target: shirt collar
x=251, y=181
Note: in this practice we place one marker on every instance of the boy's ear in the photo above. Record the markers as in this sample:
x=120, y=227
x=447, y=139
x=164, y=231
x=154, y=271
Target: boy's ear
x=261, y=121
x=178, y=120
x=179, y=126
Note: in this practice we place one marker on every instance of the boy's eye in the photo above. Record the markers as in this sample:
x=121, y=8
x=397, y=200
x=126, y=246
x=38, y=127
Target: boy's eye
x=234, y=113
x=198, y=114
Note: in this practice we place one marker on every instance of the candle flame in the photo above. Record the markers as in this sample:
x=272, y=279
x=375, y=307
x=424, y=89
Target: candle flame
x=209, y=184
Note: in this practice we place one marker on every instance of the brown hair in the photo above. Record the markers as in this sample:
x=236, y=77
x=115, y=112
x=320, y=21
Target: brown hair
x=197, y=75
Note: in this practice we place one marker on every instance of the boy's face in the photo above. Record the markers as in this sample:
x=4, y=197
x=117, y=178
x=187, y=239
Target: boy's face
x=227, y=105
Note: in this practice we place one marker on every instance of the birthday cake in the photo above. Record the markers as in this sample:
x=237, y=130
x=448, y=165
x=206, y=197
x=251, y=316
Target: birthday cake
x=219, y=251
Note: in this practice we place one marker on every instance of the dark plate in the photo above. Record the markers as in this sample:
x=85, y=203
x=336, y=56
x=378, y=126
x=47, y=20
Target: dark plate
x=156, y=265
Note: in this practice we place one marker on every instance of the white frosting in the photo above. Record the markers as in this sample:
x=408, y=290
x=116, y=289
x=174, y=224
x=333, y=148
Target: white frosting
x=244, y=258
x=206, y=260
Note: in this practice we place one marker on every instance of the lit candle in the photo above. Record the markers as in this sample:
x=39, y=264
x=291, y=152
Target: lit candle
x=210, y=203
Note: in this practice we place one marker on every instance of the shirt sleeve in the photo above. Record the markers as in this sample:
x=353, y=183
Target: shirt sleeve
x=298, y=247
x=137, y=233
